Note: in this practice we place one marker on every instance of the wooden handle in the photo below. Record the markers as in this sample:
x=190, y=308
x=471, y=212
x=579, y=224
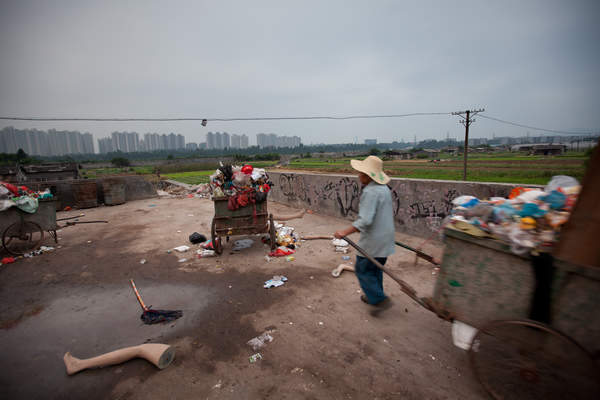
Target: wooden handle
x=138, y=296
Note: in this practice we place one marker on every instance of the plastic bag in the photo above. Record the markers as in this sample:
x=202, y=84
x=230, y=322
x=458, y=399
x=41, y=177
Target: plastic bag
x=561, y=181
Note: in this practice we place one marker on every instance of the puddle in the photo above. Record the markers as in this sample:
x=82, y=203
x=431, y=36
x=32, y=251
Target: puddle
x=89, y=322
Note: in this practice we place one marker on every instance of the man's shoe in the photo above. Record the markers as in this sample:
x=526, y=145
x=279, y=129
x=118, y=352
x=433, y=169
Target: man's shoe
x=364, y=299
x=381, y=306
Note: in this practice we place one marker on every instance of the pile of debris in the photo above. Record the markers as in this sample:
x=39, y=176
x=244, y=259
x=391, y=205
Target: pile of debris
x=529, y=219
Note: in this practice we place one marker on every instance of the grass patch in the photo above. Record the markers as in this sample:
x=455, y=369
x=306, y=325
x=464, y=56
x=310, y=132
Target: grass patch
x=191, y=177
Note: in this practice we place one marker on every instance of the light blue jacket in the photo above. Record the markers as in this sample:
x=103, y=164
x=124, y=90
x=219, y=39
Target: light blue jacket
x=376, y=220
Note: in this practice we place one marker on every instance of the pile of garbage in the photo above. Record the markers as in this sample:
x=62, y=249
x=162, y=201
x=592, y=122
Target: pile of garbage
x=21, y=197
x=530, y=219
x=234, y=180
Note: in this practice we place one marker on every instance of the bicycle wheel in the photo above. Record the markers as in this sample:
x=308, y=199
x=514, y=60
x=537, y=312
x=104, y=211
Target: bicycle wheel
x=529, y=360
x=22, y=237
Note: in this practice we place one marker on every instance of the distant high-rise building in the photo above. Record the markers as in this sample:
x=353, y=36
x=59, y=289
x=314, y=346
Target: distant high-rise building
x=191, y=146
x=225, y=141
x=105, y=145
x=235, y=141
x=244, y=142
x=210, y=140
x=370, y=142
x=272, y=140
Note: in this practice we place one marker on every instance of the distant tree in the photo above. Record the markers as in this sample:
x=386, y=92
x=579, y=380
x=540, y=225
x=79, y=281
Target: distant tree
x=120, y=162
x=374, y=151
x=21, y=155
x=170, y=157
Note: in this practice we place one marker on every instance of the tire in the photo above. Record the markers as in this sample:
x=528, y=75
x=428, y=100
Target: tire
x=22, y=237
x=216, y=240
x=521, y=359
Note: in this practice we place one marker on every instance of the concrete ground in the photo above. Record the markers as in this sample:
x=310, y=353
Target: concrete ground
x=326, y=343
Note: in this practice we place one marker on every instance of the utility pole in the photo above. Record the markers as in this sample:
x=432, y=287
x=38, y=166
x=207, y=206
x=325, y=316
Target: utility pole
x=466, y=122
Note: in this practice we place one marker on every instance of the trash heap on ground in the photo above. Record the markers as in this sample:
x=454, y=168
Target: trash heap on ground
x=530, y=219
x=21, y=197
x=287, y=241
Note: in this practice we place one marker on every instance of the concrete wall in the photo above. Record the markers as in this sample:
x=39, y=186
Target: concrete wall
x=420, y=205
x=136, y=188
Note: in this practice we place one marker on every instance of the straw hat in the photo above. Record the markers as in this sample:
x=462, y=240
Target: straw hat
x=373, y=167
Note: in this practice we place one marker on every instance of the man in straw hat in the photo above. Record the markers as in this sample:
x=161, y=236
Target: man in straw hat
x=376, y=226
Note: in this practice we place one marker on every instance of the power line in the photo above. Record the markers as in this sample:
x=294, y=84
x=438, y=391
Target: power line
x=533, y=127
x=221, y=119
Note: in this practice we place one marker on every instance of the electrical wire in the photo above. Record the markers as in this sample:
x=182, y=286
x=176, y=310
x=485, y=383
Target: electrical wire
x=221, y=119
x=314, y=117
x=535, y=128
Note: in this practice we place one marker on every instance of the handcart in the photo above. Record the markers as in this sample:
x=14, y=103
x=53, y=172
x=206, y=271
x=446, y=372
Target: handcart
x=22, y=231
x=249, y=220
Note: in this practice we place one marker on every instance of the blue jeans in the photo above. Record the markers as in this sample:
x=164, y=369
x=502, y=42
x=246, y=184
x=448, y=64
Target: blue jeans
x=370, y=278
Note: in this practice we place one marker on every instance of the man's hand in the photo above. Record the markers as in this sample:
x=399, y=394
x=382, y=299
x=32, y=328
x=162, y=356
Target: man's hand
x=339, y=234
x=345, y=232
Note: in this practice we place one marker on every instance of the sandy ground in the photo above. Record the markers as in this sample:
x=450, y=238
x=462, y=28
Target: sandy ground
x=326, y=343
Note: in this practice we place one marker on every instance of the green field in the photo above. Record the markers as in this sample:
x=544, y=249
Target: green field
x=190, y=177
x=190, y=173
x=497, y=167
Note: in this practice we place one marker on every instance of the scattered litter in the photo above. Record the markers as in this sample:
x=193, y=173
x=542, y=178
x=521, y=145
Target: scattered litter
x=282, y=251
x=8, y=260
x=182, y=260
x=168, y=251
x=276, y=281
x=339, y=242
x=196, y=238
x=89, y=241
x=345, y=258
x=178, y=231
x=255, y=357
x=320, y=322
x=432, y=357
x=259, y=341
x=290, y=258
x=341, y=249
x=242, y=244
x=462, y=334
x=181, y=249
x=143, y=261
x=205, y=253
x=267, y=258
x=190, y=215
x=311, y=277
x=297, y=370
x=218, y=385
x=151, y=205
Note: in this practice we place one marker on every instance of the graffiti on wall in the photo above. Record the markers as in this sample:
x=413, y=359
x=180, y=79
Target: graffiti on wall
x=414, y=209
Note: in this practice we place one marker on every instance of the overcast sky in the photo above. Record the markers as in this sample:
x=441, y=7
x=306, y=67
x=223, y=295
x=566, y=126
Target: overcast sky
x=531, y=62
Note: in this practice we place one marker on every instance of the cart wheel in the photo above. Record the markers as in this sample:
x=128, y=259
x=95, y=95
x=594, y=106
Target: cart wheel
x=216, y=240
x=529, y=360
x=21, y=237
x=272, y=232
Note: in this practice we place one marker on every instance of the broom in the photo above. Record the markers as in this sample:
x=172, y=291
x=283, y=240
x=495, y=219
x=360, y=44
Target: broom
x=150, y=316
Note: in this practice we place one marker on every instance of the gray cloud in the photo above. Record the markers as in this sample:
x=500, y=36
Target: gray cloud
x=534, y=62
